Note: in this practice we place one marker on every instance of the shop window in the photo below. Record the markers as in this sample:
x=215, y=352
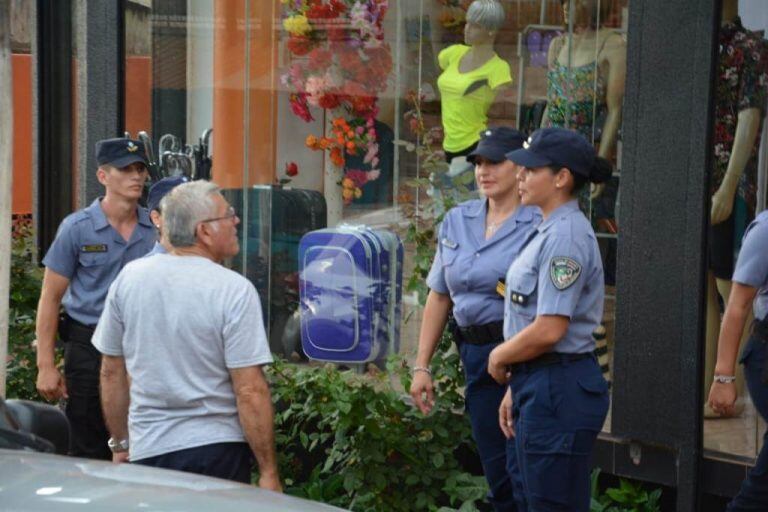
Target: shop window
x=738, y=192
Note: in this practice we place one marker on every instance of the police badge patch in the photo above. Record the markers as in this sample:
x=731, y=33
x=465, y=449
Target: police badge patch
x=564, y=272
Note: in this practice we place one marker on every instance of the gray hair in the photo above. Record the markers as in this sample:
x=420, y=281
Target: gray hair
x=489, y=14
x=184, y=207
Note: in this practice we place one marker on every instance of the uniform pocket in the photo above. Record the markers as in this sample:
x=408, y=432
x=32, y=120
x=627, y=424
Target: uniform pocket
x=522, y=288
x=552, y=460
x=448, y=255
x=93, y=259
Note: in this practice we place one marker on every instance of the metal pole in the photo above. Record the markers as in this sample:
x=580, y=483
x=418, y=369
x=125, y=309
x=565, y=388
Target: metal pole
x=6, y=179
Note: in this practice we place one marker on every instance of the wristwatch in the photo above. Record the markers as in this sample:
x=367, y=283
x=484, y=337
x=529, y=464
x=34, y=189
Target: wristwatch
x=117, y=446
x=725, y=379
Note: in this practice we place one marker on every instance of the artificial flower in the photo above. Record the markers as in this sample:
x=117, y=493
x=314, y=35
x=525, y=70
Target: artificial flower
x=297, y=25
x=291, y=169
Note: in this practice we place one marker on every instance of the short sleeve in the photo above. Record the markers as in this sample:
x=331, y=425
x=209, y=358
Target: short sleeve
x=448, y=55
x=500, y=74
x=754, y=75
x=245, y=341
x=752, y=264
x=563, y=263
x=62, y=255
x=108, y=337
x=436, y=277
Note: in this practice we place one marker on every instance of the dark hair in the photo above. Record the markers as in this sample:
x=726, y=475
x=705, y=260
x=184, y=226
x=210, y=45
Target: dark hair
x=600, y=14
x=600, y=172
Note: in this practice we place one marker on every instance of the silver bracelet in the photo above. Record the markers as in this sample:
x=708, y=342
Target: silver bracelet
x=725, y=379
x=421, y=369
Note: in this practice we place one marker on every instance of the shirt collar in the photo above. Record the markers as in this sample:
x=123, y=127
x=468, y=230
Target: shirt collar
x=561, y=211
x=100, y=220
x=97, y=214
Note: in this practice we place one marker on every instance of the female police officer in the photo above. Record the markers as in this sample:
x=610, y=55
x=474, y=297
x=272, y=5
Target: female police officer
x=477, y=242
x=553, y=303
x=750, y=288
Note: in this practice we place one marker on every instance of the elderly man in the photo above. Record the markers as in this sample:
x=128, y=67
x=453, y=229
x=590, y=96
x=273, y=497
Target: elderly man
x=183, y=343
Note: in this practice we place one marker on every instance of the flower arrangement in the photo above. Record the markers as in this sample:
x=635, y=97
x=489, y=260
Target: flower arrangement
x=454, y=15
x=342, y=64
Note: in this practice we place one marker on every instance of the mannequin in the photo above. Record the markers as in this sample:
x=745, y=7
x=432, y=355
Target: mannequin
x=587, y=72
x=472, y=75
x=734, y=171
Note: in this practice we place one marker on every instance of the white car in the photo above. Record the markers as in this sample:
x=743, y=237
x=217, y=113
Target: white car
x=31, y=481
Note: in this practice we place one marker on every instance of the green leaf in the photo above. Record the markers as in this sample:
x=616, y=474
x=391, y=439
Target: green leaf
x=438, y=459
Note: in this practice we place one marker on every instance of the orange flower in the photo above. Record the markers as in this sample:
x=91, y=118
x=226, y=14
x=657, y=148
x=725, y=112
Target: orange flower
x=350, y=146
x=347, y=183
x=311, y=141
x=337, y=157
x=348, y=194
x=358, y=193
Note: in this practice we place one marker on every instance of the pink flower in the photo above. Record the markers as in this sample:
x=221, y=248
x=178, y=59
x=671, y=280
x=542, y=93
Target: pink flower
x=373, y=150
x=374, y=174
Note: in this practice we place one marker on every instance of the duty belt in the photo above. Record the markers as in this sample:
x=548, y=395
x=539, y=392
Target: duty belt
x=549, y=359
x=70, y=330
x=478, y=334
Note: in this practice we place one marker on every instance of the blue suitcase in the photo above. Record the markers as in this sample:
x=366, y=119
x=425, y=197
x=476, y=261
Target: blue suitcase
x=350, y=288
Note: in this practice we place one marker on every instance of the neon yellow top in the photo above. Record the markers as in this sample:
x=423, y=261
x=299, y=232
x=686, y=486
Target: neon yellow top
x=465, y=115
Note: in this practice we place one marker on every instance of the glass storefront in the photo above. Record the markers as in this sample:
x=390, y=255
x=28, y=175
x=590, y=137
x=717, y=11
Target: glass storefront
x=315, y=113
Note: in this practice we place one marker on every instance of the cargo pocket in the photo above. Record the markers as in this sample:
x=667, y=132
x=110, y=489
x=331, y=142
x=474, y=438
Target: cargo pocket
x=551, y=459
x=592, y=400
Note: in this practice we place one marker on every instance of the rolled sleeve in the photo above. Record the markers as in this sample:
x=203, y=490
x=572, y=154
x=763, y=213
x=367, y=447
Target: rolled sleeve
x=565, y=254
x=752, y=264
x=436, y=277
x=245, y=341
x=62, y=255
x=108, y=337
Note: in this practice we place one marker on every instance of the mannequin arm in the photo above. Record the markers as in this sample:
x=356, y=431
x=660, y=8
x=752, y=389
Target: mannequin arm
x=744, y=140
x=616, y=59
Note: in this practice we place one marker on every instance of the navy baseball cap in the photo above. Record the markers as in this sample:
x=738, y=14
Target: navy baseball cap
x=120, y=152
x=158, y=191
x=556, y=147
x=495, y=143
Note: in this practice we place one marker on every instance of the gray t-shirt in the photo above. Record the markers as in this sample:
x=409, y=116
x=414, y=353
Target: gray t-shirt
x=181, y=322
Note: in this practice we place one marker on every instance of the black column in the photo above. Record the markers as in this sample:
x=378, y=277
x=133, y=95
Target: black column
x=660, y=317
x=54, y=171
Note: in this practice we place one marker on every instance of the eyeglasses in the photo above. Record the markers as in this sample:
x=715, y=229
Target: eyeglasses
x=231, y=214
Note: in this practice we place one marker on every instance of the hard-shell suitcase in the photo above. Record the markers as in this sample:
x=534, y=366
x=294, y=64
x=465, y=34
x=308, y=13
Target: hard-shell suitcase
x=350, y=287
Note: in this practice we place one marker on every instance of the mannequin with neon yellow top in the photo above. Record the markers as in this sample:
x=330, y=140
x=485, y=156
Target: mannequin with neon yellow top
x=472, y=75
x=587, y=72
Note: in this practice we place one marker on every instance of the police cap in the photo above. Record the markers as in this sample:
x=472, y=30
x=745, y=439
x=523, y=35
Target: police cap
x=556, y=147
x=120, y=152
x=495, y=143
x=158, y=191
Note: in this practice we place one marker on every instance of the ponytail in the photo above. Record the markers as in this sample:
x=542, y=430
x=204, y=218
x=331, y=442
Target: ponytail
x=601, y=170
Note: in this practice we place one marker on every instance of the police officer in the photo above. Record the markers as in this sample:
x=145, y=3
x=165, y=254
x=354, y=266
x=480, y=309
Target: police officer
x=553, y=303
x=750, y=289
x=477, y=241
x=156, y=193
x=90, y=248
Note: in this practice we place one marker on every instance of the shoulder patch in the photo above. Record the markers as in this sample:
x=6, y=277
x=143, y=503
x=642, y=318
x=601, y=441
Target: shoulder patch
x=564, y=271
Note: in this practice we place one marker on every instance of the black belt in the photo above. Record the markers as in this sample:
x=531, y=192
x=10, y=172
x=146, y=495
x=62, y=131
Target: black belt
x=549, y=359
x=70, y=330
x=478, y=334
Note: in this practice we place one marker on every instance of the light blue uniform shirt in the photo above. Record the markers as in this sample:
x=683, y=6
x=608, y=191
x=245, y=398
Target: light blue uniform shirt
x=752, y=265
x=468, y=267
x=157, y=249
x=90, y=253
x=559, y=272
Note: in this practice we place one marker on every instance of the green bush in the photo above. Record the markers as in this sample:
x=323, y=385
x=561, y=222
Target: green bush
x=353, y=441
x=628, y=497
x=26, y=279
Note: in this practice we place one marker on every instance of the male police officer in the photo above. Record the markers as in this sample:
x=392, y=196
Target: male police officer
x=91, y=247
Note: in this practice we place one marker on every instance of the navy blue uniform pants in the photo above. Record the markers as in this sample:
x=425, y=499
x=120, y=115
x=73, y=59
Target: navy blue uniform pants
x=753, y=494
x=231, y=461
x=558, y=411
x=482, y=398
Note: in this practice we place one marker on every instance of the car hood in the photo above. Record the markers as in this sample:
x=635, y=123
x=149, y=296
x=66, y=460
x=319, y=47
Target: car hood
x=44, y=482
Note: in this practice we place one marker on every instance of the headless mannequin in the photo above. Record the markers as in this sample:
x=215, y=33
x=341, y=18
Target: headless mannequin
x=722, y=205
x=612, y=66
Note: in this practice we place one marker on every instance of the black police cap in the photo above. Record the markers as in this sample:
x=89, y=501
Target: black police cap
x=495, y=143
x=120, y=152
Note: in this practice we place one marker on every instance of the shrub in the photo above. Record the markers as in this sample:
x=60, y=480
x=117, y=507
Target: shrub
x=353, y=441
x=26, y=279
